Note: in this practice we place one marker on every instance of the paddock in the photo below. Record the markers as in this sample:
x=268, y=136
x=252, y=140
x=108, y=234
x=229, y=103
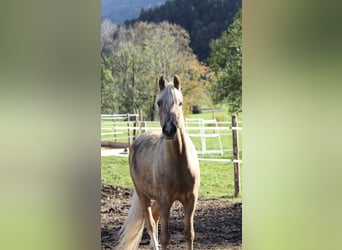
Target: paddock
x=218, y=223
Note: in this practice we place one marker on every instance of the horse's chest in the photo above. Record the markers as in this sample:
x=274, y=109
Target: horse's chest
x=176, y=178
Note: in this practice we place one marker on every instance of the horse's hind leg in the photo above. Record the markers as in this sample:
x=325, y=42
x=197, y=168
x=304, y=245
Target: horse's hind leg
x=189, y=211
x=155, y=214
x=150, y=223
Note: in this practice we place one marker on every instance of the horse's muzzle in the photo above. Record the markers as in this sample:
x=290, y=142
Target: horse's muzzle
x=169, y=130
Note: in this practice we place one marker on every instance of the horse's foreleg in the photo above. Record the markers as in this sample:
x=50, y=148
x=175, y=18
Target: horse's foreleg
x=164, y=208
x=189, y=211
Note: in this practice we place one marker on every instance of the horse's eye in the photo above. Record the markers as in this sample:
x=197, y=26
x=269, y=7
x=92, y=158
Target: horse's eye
x=180, y=104
x=159, y=103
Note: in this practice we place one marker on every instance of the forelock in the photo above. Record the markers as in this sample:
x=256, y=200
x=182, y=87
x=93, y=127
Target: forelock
x=170, y=94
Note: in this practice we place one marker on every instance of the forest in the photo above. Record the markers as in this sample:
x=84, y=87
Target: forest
x=135, y=55
x=204, y=20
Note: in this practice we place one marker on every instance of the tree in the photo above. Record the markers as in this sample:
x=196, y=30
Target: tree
x=137, y=56
x=226, y=61
x=108, y=105
x=107, y=31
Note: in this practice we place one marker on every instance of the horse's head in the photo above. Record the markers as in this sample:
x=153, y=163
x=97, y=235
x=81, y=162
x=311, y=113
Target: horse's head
x=170, y=107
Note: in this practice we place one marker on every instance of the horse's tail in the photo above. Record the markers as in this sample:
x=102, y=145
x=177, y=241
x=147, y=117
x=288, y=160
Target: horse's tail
x=132, y=229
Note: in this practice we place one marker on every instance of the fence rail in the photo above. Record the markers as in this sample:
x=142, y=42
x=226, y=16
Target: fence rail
x=206, y=134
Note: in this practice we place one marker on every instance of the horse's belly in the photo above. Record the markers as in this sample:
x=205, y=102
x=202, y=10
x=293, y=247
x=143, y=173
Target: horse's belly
x=142, y=175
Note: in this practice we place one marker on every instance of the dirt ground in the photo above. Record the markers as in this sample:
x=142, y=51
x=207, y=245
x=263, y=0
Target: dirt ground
x=217, y=223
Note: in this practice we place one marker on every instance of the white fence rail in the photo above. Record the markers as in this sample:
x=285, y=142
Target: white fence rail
x=206, y=134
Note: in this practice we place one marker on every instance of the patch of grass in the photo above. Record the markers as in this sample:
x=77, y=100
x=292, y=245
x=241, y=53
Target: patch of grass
x=221, y=116
x=217, y=179
x=115, y=171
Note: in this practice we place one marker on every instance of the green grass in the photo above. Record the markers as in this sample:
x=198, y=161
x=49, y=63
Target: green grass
x=217, y=179
x=115, y=171
x=221, y=116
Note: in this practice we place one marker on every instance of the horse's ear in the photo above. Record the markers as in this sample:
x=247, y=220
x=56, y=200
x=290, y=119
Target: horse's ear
x=161, y=83
x=176, y=82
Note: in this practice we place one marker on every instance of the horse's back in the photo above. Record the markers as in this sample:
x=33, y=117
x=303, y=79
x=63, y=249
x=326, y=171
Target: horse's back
x=144, y=142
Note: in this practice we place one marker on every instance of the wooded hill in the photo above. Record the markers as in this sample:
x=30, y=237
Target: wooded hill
x=119, y=11
x=205, y=20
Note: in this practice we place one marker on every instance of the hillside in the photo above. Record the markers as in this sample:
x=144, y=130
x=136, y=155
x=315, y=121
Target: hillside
x=204, y=20
x=121, y=10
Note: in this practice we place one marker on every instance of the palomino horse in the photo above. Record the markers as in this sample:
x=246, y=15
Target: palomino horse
x=164, y=168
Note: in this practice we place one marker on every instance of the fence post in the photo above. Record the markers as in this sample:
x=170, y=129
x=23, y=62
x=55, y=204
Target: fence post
x=236, y=155
x=140, y=121
x=135, y=124
x=114, y=128
x=129, y=133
